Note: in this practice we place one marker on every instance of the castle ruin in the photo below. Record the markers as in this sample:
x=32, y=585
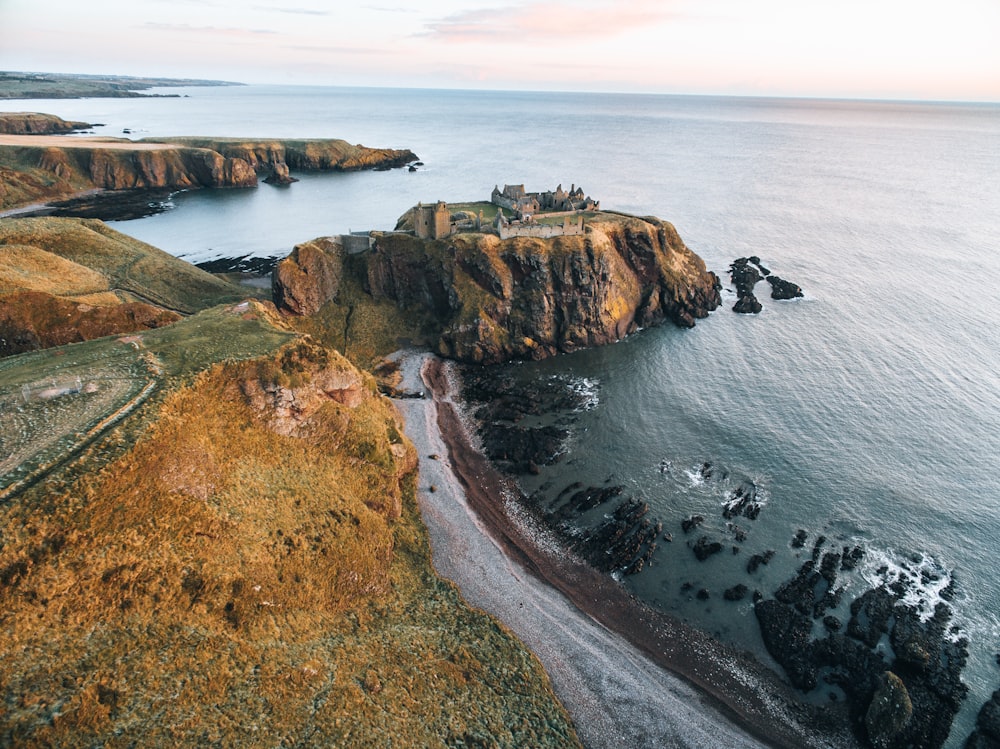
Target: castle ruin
x=437, y=221
x=527, y=204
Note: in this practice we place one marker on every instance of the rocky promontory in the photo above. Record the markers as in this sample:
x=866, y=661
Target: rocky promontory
x=308, y=155
x=41, y=168
x=485, y=299
x=37, y=123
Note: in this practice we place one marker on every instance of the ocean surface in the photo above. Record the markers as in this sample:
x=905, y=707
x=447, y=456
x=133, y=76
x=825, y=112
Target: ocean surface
x=868, y=411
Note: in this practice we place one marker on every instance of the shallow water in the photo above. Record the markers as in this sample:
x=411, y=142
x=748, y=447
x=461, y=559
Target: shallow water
x=869, y=411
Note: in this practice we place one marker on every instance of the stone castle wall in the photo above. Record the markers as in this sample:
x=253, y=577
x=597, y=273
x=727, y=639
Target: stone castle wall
x=543, y=231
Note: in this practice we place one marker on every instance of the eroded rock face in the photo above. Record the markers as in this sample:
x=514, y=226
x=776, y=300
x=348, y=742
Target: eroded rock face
x=308, y=278
x=305, y=378
x=182, y=167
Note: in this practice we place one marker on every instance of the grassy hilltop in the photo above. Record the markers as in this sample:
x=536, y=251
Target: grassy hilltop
x=209, y=534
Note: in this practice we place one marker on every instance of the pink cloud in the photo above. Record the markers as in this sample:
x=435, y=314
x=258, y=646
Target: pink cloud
x=550, y=20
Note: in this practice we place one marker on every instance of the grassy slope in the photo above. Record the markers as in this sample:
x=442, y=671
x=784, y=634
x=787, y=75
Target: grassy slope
x=222, y=582
x=194, y=576
x=128, y=265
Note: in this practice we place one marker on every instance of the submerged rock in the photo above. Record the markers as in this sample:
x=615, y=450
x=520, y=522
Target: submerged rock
x=889, y=712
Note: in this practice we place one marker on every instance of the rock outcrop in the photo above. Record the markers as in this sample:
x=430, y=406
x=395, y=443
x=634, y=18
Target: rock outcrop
x=905, y=696
x=37, y=123
x=745, y=272
x=526, y=298
x=308, y=278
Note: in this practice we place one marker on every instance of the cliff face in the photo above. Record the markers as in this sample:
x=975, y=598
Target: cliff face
x=306, y=155
x=180, y=168
x=497, y=300
x=36, y=168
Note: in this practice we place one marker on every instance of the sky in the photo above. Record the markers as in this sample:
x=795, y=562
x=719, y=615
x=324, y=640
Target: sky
x=886, y=49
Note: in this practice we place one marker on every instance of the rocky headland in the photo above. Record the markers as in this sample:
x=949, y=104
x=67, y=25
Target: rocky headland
x=45, y=168
x=37, y=123
x=484, y=300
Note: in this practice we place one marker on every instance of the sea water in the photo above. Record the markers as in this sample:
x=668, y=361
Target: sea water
x=867, y=411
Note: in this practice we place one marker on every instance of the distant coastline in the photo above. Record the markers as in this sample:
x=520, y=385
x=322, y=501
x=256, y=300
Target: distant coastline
x=28, y=85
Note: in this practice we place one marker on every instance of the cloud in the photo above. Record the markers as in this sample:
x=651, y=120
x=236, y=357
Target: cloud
x=293, y=11
x=184, y=28
x=388, y=9
x=334, y=49
x=557, y=20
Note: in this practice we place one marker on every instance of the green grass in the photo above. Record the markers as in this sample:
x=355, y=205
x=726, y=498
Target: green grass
x=144, y=271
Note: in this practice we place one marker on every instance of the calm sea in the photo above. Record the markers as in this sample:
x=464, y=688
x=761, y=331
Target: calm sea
x=868, y=412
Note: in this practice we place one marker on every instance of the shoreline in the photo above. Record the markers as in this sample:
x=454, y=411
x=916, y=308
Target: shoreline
x=624, y=671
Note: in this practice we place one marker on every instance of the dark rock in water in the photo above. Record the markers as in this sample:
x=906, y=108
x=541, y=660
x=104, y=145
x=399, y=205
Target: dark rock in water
x=745, y=272
x=110, y=205
x=912, y=707
x=703, y=548
x=800, y=539
x=758, y=559
x=782, y=289
x=689, y=524
x=986, y=734
x=280, y=175
x=851, y=558
x=744, y=275
x=586, y=499
x=889, y=712
x=786, y=634
x=747, y=305
x=743, y=501
x=624, y=542
x=870, y=615
x=736, y=593
x=412, y=167
x=703, y=595
x=516, y=448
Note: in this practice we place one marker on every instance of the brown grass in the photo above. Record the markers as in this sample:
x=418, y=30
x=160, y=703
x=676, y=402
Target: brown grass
x=222, y=583
x=126, y=264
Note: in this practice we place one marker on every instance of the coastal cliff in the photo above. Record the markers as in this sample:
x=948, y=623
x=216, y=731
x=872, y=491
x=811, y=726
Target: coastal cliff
x=486, y=300
x=309, y=155
x=35, y=168
x=37, y=123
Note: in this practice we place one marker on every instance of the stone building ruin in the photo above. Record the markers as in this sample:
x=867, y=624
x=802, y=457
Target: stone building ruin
x=436, y=221
x=526, y=204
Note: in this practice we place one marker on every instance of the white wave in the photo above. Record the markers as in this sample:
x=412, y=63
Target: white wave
x=924, y=578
